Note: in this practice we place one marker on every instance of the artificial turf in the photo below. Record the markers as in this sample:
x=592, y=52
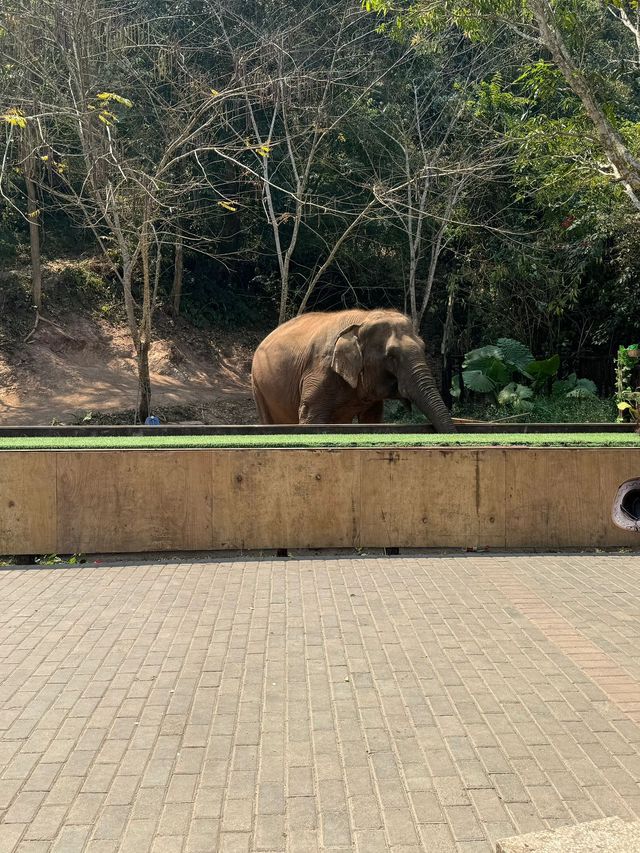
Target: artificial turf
x=145, y=442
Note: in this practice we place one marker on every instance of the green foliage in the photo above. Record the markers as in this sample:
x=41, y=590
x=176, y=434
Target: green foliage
x=491, y=369
x=543, y=247
x=542, y=371
x=573, y=387
x=627, y=394
x=509, y=373
x=554, y=409
x=16, y=307
x=516, y=354
x=77, y=283
x=55, y=559
x=516, y=395
x=479, y=381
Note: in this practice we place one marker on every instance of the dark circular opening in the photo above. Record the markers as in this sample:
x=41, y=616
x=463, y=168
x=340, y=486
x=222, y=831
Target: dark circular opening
x=630, y=504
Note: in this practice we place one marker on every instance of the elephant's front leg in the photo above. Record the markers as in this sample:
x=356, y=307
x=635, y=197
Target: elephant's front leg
x=313, y=413
x=373, y=415
x=317, y=400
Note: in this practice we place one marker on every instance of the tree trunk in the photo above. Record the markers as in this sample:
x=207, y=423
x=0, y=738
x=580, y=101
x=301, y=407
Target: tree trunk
x=413, y=268
x=144, y=382
x=284, y=297
x=444, y=347
x=626, y=166
x=34, y=240
x=176, y=292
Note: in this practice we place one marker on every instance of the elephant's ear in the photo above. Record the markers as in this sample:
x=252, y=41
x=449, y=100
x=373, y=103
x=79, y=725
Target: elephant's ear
x=347, y=356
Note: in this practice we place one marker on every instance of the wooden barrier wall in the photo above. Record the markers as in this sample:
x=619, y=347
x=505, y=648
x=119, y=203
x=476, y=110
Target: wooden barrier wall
x=154, y=500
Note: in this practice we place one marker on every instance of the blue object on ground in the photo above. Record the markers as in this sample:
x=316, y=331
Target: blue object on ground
x=152, y=420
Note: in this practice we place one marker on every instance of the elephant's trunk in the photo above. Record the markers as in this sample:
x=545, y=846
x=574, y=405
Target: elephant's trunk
x=417, y=383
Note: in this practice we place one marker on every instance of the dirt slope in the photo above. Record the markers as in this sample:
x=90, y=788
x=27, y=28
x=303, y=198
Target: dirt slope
x=82, y=364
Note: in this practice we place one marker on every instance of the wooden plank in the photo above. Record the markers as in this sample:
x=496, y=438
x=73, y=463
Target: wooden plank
x=617, y=465
x=562, y=497
x=130, y=500
x=543, y=502
x=146, y=500
x=286, y=498
x=491, y=504
x=248, y=510
x=434, y=498
x=27, y=503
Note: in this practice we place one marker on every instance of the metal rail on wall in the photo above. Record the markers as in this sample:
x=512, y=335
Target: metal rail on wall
x=308, y=429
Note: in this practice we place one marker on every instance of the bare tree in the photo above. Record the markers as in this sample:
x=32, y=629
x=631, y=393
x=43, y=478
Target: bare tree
x=432, y=161
x=300, y=82
x=120, y=154
x=20, y=141
x=424, y=202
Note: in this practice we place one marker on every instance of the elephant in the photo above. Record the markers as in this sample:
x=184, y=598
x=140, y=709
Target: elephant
x=329, y=367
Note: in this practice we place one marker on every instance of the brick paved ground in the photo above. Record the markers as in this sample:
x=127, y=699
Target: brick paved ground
x=399, y=704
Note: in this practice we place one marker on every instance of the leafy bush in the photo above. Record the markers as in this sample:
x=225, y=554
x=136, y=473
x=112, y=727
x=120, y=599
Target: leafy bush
x=16, y=306
x=627, y=397
x=509, y=372
x=544, y=410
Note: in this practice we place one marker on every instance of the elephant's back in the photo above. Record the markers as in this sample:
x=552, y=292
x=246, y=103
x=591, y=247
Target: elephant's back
x=308, y=332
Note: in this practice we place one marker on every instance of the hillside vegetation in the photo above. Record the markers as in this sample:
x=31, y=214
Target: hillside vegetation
x=177, y=179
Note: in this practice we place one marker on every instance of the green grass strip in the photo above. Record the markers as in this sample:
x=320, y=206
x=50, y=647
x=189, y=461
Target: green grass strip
x=330, y=440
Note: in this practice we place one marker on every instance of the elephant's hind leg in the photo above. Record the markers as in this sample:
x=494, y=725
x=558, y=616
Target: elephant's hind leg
x=264, y=415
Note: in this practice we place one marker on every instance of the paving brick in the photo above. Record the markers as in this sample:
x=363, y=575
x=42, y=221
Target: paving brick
x=464, y=823
x=138, y=836
x=112, y=822
x=72, y=839
x=203, y=836
x=335, y=829
x=237, y=816
x=371, y=841
x=10, y=834
x=269, y=832
x=24, y=807
x=270, y=798
x=46, y=823
x=427, y=807
x=485, y=696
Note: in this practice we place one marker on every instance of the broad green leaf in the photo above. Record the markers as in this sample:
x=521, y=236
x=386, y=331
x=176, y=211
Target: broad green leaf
x=475, y=380
x=514, y=393
x=515, y=353
x=581, y=393
x=455, y=387
x=544, y=369
x=481, y=353
x=587, y=385
x=563, y=386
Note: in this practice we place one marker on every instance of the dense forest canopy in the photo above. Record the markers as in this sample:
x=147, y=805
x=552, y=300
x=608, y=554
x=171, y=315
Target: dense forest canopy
x=475, y=163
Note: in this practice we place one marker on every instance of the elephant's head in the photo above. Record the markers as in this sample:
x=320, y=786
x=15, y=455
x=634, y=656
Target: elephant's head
x=384, y=358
